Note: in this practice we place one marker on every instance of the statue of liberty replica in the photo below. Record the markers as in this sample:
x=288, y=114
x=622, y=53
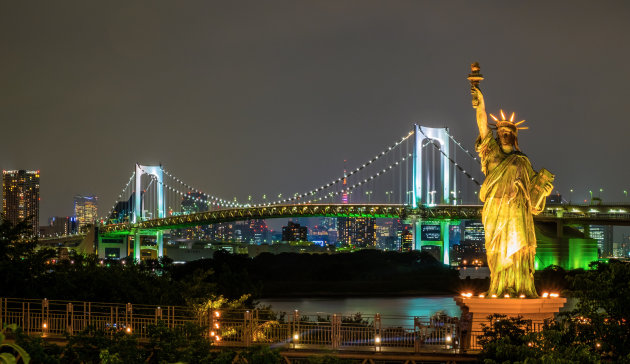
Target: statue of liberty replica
x=511, y=194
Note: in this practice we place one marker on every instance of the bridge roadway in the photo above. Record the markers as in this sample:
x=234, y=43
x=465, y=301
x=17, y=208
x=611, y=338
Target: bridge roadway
x=614, y=214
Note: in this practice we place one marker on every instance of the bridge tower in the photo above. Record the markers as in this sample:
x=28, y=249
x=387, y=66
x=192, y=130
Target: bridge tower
x=421, y=177
x=420, y=192
x=157, y=172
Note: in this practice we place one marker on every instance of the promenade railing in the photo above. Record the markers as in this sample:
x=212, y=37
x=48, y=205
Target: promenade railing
x=240, y=328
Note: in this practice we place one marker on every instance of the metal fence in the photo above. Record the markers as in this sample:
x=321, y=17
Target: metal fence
x=240, y=328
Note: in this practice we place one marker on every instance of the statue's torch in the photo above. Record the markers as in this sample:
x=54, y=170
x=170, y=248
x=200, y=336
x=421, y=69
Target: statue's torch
x=475, y=77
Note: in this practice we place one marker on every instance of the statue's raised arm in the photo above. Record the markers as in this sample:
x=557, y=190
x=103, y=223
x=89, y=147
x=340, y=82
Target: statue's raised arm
x=478, y=102
x=482, y=116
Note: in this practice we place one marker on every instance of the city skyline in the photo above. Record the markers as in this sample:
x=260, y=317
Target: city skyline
x=99, y=87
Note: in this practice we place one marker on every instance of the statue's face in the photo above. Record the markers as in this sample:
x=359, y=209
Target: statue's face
x=506, y=136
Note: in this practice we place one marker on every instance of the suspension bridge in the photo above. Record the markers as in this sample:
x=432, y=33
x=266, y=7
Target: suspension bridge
x=425, y=177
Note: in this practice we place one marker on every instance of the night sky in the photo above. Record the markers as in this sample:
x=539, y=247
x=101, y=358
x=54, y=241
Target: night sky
x=264, y=97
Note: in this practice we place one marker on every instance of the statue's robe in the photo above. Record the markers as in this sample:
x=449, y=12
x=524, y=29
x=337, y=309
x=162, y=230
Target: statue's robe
x=507, y=219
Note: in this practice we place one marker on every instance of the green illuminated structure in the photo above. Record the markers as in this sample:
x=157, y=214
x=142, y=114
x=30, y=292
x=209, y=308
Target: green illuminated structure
x=571, y=250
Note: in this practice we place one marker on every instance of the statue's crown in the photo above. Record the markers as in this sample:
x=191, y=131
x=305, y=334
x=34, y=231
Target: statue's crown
x=503, y=122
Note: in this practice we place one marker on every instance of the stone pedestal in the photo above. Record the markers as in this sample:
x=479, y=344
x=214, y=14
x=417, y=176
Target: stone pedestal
x=475, y=311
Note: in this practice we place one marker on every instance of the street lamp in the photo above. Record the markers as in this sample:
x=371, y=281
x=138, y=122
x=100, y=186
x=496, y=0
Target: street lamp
x=369, y=195
x=591, y=193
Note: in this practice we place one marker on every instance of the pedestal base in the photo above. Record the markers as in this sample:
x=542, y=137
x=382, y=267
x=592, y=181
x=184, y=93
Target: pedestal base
x=476, y=310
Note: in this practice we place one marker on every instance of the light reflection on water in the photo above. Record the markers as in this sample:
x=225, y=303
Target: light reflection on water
x=404, y=307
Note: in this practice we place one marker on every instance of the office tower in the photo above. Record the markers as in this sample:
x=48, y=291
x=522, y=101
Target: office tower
x=86, y=210
x=604, y=236
x=20, y=198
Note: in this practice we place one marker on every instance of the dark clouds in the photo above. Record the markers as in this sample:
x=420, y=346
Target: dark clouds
x=228, y=94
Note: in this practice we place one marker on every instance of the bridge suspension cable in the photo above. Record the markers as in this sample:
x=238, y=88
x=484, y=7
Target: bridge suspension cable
x=336, y=181
x=209, y=199
x=475, y=158
x=364, y=181
x=123, y=192
x=439, y=148
x=219, y=201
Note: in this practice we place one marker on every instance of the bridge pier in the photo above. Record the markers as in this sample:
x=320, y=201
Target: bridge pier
x=136, y=246
x=159, y=241
x=444, y=237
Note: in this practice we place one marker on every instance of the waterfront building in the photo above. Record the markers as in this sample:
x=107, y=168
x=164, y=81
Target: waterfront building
x=356, y=231
x=294, y=232
x=20, y=198
x=60, y=225
x=406, y=241
x=318, y=234
x=257, y=232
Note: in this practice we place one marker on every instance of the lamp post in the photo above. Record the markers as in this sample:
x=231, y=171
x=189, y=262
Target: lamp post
x=571, y=196
x=369, y=195
x=591, y=193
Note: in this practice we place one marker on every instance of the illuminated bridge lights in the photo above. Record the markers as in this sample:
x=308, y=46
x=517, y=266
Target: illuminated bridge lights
x=264, y=212
x=566, y=214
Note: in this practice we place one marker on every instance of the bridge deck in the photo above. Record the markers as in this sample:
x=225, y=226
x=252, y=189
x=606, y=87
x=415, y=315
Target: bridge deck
x=567, y=214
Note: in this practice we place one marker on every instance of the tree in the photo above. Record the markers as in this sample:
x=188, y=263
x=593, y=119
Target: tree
x=597, y=330
x=11, y=353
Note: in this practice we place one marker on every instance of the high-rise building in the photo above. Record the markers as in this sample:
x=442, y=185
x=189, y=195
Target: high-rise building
x=356, y=231
x=86, y=210
x=406, y=241
x=20, y=198
x=258, y=231
x=604, y=236
x=294, y=232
